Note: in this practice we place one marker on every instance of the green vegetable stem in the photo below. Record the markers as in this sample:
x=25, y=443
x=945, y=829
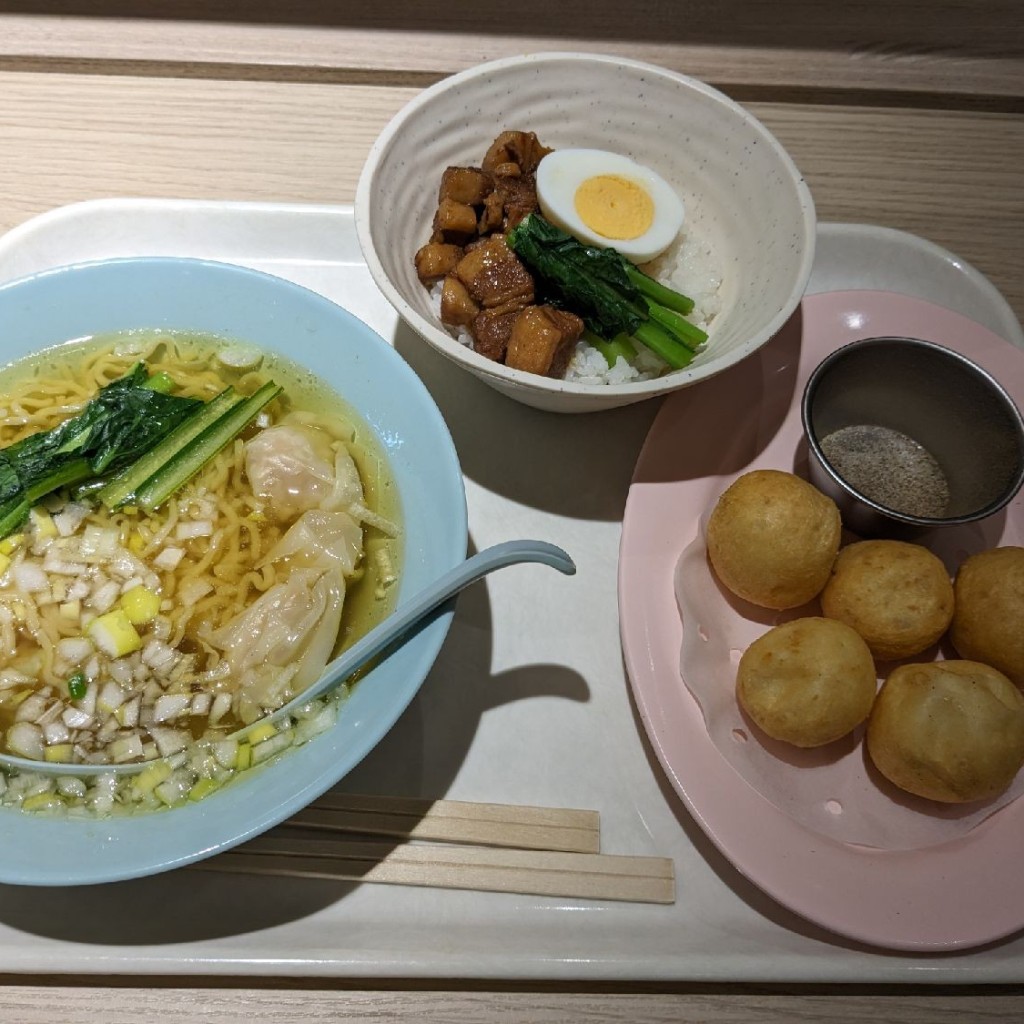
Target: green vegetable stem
x=612, y=296
x=620, y=345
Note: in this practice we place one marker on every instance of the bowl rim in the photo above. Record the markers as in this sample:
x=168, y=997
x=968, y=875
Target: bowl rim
x=944, y=351
x=472, y=360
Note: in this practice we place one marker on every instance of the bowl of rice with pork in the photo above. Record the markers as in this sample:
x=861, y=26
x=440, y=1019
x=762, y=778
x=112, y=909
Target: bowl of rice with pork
x=582, y=232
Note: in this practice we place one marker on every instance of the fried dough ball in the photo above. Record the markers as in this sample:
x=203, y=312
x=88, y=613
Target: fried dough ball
x=951, y=731
x=807, y=682
x=772, y=538
x=988, y=622
x=898, y=596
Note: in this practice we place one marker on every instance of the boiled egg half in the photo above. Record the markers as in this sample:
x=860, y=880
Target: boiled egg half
x=609, y=201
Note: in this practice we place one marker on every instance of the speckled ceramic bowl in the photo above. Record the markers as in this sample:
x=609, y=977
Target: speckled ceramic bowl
x=744, y=196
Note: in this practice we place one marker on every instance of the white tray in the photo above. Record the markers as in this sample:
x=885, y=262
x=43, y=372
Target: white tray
x=527, y=703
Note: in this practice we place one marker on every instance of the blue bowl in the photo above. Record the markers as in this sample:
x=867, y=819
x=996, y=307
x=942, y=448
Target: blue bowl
x=182, y=294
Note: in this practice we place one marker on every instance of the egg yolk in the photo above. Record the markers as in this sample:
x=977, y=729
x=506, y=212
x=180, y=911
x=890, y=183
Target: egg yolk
x=614, y=207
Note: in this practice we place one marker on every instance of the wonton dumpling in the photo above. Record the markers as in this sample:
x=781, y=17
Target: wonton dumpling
x=280, y=644
x=348, y=487
x=319, y=539
x=291, y=467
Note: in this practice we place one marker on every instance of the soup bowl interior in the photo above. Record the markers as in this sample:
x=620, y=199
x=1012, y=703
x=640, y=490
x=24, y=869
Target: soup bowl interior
x=181, y=294
x=744, y=198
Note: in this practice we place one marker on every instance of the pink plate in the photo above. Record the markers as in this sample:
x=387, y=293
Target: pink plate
x=959, y=894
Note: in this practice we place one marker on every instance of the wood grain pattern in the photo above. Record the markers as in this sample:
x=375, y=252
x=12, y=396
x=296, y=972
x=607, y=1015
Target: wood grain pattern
x=588, y=876
x=913, y=46
x=163, y=1001
x=952, y=176
x=453, y=821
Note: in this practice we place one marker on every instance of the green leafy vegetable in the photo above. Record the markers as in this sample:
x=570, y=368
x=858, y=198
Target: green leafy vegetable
x=120, y=489
x=611, y=295
x=133, y=442
x=126, y=418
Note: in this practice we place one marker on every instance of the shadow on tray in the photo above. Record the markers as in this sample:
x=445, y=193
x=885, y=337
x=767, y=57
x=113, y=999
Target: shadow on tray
x=577, y=465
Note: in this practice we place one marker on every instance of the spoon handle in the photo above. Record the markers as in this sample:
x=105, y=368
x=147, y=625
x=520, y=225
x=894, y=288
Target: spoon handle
x=436, y=594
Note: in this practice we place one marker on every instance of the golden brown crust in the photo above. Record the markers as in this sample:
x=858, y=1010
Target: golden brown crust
x=807, y=682
x=897, y=596
x=951, y=731
x=772, y=538
x=988, y=621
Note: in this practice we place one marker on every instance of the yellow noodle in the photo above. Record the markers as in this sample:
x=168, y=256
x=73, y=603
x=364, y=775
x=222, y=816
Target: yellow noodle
x=35, y=628
x=8, y=640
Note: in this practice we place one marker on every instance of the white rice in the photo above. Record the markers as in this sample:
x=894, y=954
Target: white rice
x=687, y=266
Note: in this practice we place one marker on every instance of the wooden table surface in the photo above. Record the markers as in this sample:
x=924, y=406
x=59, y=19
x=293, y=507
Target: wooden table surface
x=909, y=114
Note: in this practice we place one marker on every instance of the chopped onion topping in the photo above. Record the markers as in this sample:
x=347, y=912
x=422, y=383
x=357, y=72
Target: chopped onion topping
x=31, y=708
x=169, y=558
x=192, y=529
x=171, y=705
x=105, y=596
x=200, y=704
x=169, y=741
x=192, y=591
x=55, y=732
x=76, y=718
x=30, y=577
x=70, y=518
x=74, y=649
x=127, y=748
x=221, y=706
x=98, y=541
x=26, y=739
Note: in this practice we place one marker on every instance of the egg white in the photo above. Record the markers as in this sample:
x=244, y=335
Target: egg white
x=562, y=172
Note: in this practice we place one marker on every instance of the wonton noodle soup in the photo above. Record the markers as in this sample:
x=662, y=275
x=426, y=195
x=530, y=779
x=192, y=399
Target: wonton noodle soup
x=127, y=635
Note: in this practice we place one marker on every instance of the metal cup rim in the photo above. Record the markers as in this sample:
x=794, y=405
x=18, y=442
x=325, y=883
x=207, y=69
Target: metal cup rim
x=905, y=518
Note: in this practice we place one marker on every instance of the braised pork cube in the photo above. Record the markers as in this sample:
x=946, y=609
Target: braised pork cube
x=467, y=185
x=491, y=330
x=494, y=276
x=435, y=259
x=518, y=198
x=457, y=307
x=541, y=340
x=514, y=153
x=454, y=223
x=492, y=216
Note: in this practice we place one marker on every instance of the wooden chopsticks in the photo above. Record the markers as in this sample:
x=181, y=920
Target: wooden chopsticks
x=541, y=851
x=453, y=821
x=533, y=872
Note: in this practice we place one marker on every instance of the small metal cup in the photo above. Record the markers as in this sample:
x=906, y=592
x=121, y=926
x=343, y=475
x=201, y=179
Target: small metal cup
x=889, y=395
